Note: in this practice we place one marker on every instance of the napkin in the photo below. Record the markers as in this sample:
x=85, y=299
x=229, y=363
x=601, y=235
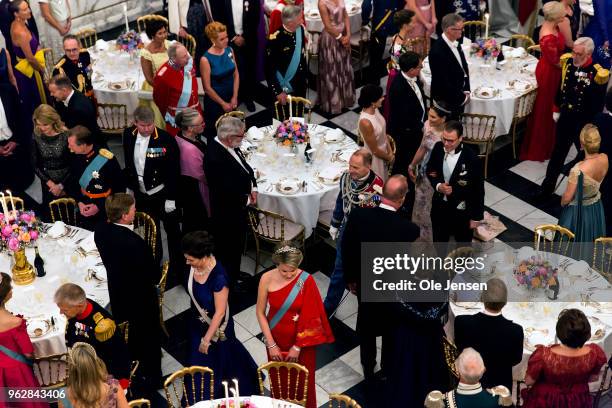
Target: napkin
x=522, y=86
x=57, y=229
x=334, y=135
x=255, y=134
x=88, y=244
x=101, y=45
x=330, y=173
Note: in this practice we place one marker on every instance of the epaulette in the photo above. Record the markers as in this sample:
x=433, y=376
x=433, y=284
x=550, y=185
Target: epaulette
x=273, y=35
x=83, y=50
x=61, y=62
x=105, y=327
x=106, y=153
x=602, y=76
x=505, y=398
x=162, y=70
x=563, y=59
x=377, y=188
x=435, y=399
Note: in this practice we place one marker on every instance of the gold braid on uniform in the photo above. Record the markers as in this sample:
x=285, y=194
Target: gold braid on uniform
x=435, y=399
x=105, y=327
x=106, y=153
x=350, y=195
x=602, y=76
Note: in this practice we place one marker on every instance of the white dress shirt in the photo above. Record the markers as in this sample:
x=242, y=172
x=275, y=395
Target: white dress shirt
x=485, y=311
x=387, y=207
x=5, y=130
x=235, y=156
x=67, y=101
x=237, y=9
x=128, y=226
x=453, y=46
x=140, y=157
x=415, y=87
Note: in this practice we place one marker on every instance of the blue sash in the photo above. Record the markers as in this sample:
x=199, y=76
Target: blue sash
x=285, y=82
x=15, y=356
x=289, y=300
x=95, y=165
x=183, y=101
x=65, y=401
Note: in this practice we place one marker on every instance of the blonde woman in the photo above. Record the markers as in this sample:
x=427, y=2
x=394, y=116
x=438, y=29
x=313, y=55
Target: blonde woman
x=88, y=384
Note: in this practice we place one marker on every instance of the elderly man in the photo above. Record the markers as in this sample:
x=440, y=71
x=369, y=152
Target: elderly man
x=497, y=339
x=91, y=323
x=76, y=65
x=359, y=187
x=450, y=77
x=580, y=97
x=73, y=106
x=175, y=86
x=469, y=393
x=232, y=187
x=286, y=70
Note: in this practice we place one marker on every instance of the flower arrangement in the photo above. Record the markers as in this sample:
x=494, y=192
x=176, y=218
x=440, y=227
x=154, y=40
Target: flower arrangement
x=536, y=272
x=19, y=229
x=129, y=41
x=232, y=404
x=291, y=132
x=485, y=49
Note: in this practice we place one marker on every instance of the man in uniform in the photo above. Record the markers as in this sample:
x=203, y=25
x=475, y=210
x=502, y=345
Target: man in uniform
x=91, y=323
x=380, y=14
x=76, y=65
x=95, y=174
x=286, y=69
x=580, y=97
x=175, y=86
x=276, y=22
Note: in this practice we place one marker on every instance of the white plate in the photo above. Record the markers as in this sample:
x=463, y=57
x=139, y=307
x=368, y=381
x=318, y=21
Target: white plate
x=521, y=86
x=598, y=328
x=486, y=92
x=334, y=137
x=118, y=86
x=288, y=186
x=329, y=182
x=37, y=327
x=63, y=234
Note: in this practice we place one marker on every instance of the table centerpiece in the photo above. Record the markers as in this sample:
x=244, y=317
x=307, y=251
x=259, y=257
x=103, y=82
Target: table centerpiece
x=18, y=230
x=538, y=273
x=129, y=42
x=486, y=49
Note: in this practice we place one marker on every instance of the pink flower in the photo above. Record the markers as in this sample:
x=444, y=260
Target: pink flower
x=26, y=217
x=7, y=230
x=34, y=235
x=13, y=244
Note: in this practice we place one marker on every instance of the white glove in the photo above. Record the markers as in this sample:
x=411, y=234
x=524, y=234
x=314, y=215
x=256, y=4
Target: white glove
x=333, y=232
x=556, y=116
x=169, y=206
x=129, y=191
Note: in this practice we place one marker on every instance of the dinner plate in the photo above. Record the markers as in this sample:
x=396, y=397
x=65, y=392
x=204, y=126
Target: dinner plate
x=598, y=328
x=486, y=92
x=327, y=181
x=37, y=327
x=63, y=234
x=288, y=186
x=519, y=85
x=334, y=137
x=118, y=86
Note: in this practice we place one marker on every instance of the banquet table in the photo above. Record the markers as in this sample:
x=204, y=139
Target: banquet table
x=536, y=313
x=63, y=264
x=277, y=166
x=501, y=105
x=257, y=400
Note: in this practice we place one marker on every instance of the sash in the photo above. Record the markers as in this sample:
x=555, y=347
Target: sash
x=24, y=66
x=289, y=300
x=65, y=401
x=183, y=101
x=15, y=355
x=95, y=165
x=285, y=81
x=220, y=333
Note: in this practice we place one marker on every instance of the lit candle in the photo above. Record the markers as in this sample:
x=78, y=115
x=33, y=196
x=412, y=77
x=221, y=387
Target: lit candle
x=12, y=202
x=4, y=208
x=486, y=16
x=127, y=26
x=226, y=394
x=236, y=398
x=235, y=381
x=290, y=108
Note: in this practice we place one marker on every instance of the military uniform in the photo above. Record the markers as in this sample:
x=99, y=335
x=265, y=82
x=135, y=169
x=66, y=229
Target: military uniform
x=470, y=396
x=78, y=71
x=97, y=327
x=379, y=13
x=279, y=52
x=580, y=97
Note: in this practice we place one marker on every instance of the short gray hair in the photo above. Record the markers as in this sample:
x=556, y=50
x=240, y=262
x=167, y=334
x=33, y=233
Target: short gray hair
x=229, y=126
x=587, y=43
x=365, y=155
x=173, y=48
x=495, y=296
x=186, y=118
x=290, y=12
x=144, y=114
x=450, y=20
x=70, y=294
x=470, y=366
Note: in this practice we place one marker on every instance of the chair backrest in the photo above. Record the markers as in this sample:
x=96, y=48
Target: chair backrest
x=267, y=225
x=288, y=381
x=141, y=22
x=524, y=105
x=51, y=371
x=301, y=108
x=474, y=29
x=461, y=252
x=420, y=45
x=520, y=40
x=477, y=128
x=124, y=328
x=450, y=355
x=553, y=238
x=161, y=286
x=112, y=117
x=234, y=114
x=49, y=61
x=604, y=385
x=189, y=42
x=140, y=403
x=17, y=203
x=602, y=257
x=183, y=383
x=87, y=37
x=64, y=209
x=535, y=50
x=342, y=401
x=144, y=225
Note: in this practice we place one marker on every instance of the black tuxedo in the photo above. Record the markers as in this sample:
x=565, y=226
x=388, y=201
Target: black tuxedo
x=80, y=111
x=603, y=121
x=132, y=275
x=229, y=184
x=197, y=20
x=449, y=79
x=447, y=216
x=498, y=340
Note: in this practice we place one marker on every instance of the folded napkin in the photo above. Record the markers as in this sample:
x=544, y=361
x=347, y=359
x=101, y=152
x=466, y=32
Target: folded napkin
x=58, y=229
x=101, y=45
x=330, y=173
x=466, y=42
x=88, y=244
x=255, y=134
x=522, y=86
x=518, y=53
x=334, y=135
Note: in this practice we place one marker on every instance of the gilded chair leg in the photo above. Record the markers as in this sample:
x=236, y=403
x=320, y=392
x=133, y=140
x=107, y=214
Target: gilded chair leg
x=163, y=324
x=256, y=255
x=514, y=141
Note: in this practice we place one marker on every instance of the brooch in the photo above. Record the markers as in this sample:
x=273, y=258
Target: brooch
x=95, y=174
x=98, y=186
x=296, y=317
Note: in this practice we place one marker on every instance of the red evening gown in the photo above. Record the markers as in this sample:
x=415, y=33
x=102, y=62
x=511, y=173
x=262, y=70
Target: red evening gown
x=305, y=325
x=562, y=381
x=540, y=138
x=13, y=373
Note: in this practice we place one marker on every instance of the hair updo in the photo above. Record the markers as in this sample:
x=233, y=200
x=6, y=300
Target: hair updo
x=288, y=254
x=369, y=94
x=590, y=138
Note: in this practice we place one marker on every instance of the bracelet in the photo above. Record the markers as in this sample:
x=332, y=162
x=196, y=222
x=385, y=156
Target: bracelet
x=339, y=36
x=272, y=346
x=296, y=348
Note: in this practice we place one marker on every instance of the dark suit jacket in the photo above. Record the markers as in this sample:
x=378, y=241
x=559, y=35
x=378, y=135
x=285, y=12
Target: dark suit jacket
x=498, y=340
x=448, y=80
x=250, y=19
x=80, y=111
x=466, y=180
x=197, y=21
x=165, y=169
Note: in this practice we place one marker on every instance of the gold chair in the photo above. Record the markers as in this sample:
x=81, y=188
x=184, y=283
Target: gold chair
x=522, y=111
x=189, y=42
x=605, y=385
x=553, y=238
x=49, y=62
x=51, y=371
x=479, y=130
x=64, y=209
x=124, y=328
x=87, y=37
x=112, y=117
x=141, y=22
x=359, y=46
x=521, y=40
x=450, y=355
x=474, y=29
x=461, y=252
x=17, y=203
x=234, y=114
x=286, y=392
x=602, y=257
x=161, y=289
x=535, y=50
x=140, y=403
x=273, y=228
x=393, y=146
x=145, y=226
x=302, y=108
x=342, y=401
x=189, y=373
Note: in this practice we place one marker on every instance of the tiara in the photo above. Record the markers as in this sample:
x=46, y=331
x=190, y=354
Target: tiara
x=286, y=249
x=440, y=107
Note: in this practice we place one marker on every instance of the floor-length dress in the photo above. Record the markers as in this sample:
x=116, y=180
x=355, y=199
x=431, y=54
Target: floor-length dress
x=14, y=344
x=222, y=81
x=157, y=59
x=303, y=325
x=193, y=187
x=336, y=87
x=379, y=166
x=418, y=29
x=397, y=49
x=228, y=358
x=540, y=137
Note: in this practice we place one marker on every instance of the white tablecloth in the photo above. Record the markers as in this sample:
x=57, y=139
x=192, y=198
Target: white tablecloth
x=62, y=265
x=273, y=165
x=257, y=400
x=502, y=106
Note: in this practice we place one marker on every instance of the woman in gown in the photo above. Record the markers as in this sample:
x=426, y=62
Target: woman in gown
x=559, y=375
x=213, y=342
x=540, y=137
x=220, y=77
x=335, y=86
x=152, y=57
x=425, y=18
x=292, y=333
x=373, y=129
x=15, y=349
x=437, y=116
x=600, y=29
